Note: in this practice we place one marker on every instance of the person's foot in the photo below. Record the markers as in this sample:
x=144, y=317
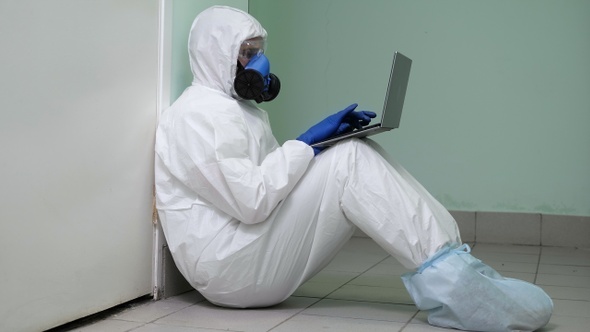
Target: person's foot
x=459, y=291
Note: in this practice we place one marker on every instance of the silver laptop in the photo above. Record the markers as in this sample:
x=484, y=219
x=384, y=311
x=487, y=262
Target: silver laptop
x=392, y=108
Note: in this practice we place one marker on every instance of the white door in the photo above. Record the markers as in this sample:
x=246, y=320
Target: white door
x=78, y=88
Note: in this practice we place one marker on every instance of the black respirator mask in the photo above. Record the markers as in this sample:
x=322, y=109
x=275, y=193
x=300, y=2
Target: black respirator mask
x=255, y=81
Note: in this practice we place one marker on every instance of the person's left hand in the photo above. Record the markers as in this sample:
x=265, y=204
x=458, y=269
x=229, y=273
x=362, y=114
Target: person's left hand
x=354, y=120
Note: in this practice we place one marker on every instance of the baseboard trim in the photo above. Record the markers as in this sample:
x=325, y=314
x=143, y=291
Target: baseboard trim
x=521, y=228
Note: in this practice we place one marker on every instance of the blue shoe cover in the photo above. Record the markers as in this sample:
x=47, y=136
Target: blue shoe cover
x=461, y=292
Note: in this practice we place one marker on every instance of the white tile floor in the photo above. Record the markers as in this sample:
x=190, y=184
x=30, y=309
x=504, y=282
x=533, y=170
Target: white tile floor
x=361, y=291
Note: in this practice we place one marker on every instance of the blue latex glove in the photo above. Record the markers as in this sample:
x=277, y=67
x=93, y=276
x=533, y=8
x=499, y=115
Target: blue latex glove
x=336, y=124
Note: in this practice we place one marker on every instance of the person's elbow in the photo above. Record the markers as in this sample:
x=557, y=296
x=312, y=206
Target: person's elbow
x=257, y=211
x=253, y=216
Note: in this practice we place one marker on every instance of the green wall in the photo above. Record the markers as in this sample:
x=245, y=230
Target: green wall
x=497, y=113
x=498, y=107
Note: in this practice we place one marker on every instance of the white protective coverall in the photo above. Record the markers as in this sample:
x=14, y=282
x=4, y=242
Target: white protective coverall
x=247, y=220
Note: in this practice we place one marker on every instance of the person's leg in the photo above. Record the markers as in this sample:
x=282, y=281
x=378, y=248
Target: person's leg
x=346, y=185
x=459, y=291
x=391, y=207
x=353, y=183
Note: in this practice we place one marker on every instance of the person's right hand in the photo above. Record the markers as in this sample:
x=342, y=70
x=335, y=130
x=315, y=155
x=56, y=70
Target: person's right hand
x=335, y=124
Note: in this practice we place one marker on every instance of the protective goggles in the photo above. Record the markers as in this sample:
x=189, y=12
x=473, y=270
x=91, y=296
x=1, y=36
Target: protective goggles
x=251, y=48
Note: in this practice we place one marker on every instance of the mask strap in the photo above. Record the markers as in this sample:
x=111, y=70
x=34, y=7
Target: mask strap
x=240, y=68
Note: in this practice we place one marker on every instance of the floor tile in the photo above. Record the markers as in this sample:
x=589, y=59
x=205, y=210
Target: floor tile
x=151, y=311
x=528, y=277
x=205, y=315
x=506, y=257
x=389, y=267
x=372, y=294
x=565, y=270
x=168, y=328
x=566, y=324
x=308, y=323
x=567, y=293
x=333, y=277
x=506, y=248
x=390, y=260
x=424, y=328
x=512, y=266
x=563, y=280
x=502, y=259
x=354, y=262
x=361, y=290
x=565, y=256
x=357, y=255
x=365, y=246
x=378, y=280
x=571, y=308
x=111, y=325
x=324, y=283
x=316, y=289
x=565, y=251
x=420, y=318
x=362, y=310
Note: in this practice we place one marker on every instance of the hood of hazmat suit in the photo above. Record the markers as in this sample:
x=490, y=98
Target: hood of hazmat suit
x=219, y=170
x=214, y=44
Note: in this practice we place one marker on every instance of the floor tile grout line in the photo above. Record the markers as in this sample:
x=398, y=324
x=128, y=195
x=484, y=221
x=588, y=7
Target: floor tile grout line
x=538, y=265
x=373, y=302
x=355, y=277
x=326, y=297
x=137, y=327
x=157, y=319
x=145, y=323
x=296, y=314
x=409, y=321
x=361, y=318
x=573, y=300
x=574, y=265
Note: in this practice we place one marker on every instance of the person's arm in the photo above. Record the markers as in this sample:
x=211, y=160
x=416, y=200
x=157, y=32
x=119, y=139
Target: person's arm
x=212, y=158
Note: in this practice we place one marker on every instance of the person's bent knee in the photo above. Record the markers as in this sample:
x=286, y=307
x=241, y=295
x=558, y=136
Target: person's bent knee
x=347, y=147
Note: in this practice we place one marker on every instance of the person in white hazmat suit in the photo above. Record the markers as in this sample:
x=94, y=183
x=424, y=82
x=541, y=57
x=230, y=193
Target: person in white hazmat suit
x=248, y=220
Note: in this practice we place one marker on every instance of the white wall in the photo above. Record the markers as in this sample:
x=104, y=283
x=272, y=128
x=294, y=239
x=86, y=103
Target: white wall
x=78, y=83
